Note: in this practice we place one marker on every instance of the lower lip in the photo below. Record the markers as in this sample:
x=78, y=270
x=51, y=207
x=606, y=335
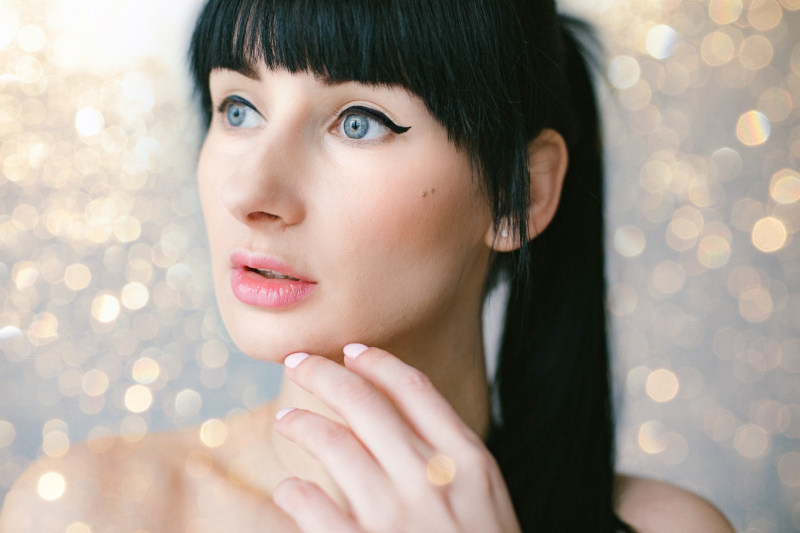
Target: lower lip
x=255, y=289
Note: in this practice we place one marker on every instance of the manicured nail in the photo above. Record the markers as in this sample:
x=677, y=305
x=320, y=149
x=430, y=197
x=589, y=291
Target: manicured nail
x=295, y=359
x=283, y=412
x=354, y=350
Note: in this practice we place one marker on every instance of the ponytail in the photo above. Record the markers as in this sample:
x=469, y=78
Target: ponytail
x=554, y=442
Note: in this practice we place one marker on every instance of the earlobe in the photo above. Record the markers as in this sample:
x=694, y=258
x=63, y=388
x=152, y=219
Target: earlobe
x=547, y=166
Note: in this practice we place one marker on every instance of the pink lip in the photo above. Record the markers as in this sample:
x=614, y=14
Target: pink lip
x=254, y=289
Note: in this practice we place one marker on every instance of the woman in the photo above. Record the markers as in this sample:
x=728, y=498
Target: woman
x=370, y=170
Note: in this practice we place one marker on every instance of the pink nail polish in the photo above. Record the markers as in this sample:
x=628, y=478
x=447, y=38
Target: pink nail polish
x=295, y=359
x=354, y=350
x=283, y=412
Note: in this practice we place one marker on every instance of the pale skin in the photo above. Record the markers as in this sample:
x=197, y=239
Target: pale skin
x=396, y=234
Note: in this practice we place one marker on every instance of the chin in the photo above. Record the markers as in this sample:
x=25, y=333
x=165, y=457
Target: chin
x=269, y=340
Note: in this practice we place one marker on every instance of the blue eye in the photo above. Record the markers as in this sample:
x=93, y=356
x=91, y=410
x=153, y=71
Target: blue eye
x=361, y=127
x=240, y=113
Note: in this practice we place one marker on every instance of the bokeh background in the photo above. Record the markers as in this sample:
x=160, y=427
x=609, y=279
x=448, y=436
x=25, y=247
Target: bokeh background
x=107, y=319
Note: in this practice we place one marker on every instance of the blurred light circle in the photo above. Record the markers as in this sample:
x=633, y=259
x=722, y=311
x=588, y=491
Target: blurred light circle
x=89, y=121
x=188, y=402
x=751, y=441
x=756, y=52
x=127, y=229
x=105, y=308
x=213, y=433
x=769, y=235
x=717, y=48
x=650, y=437
x=724, y=11
x=51, y=486
x=623, y=71
x=629, y=241
x=785, y=186
x=138, y=399
x=95, y=382
x=7, y=433
x=77, y=276
x=764, y=15
x=714, y=251
x=145, y=371
x=755, y=305
x=668, y=277
x=660, y=41
x=753, y=128
x=134, y=296
x=662, y=385
x=31, y=38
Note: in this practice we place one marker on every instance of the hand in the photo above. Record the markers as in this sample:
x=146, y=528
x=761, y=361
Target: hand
x=404, y=460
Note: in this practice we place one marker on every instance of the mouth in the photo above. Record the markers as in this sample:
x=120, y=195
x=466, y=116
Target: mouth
x=270, y=274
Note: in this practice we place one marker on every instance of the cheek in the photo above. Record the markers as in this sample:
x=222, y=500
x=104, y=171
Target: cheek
x=423, y=225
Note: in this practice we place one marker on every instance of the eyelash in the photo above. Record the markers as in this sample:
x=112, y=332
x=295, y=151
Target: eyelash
x=222, y=109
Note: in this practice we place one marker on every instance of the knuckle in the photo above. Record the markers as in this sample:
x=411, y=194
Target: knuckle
x=415, y=381
x=329, y=435
x=354, y=390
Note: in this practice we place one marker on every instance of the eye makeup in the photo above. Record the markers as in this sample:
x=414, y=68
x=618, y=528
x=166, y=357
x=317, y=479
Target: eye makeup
x=377, y=115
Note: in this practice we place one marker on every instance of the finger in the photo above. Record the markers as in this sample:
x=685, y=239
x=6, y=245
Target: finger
x=311, y=508
x=370, y=415
x=351, y=467
x=415, y=396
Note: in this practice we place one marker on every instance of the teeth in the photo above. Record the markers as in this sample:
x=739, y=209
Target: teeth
x=272, y=274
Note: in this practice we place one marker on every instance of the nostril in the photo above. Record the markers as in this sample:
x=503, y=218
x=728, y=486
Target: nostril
x=261, y=215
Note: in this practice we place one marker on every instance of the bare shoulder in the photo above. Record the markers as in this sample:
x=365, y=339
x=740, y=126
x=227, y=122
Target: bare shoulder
x=95, y=484
x=651, y=506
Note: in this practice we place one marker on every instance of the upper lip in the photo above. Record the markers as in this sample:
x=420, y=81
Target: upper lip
x=249, y=260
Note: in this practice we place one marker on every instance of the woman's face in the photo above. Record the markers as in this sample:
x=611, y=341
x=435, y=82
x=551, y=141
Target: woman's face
x=330, y=223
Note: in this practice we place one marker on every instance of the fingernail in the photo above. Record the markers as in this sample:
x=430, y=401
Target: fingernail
x=295, y=359
x=354, y=350
x=283, y=412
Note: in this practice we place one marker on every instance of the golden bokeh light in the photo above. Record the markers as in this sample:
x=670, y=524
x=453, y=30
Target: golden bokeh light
x=95, y=382
x=105, y=308
x=662, y=385
x=660, y=41
x=785, y=186
x=751, y=441
x=769, y=235
x=51, y=486
x=77, y=276
x=440, y=470
x=629, y=241
x=134, y=296
x=724, y=11
x=213, y=433
x=145, y=371
x=623, y=72
x=138, y=399
x=753, y=128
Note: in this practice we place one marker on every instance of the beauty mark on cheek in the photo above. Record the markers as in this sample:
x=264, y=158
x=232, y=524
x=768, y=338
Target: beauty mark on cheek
x=426, y=192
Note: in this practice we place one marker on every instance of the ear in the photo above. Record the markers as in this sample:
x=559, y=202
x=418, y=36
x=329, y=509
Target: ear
x=547, y=166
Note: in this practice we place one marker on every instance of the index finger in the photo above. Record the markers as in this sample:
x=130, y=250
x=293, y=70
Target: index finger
x=433, y=418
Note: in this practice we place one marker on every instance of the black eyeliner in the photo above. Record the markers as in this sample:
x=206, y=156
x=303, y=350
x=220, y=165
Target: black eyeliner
x=234, y=99
x=377, y=115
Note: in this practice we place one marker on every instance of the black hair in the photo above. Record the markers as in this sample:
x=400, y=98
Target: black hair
x=494, y=73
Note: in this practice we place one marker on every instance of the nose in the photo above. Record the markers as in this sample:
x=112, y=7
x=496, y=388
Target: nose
x=263, y=187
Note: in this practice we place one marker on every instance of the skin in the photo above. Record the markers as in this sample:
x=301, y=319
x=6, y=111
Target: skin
x=397, y=234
